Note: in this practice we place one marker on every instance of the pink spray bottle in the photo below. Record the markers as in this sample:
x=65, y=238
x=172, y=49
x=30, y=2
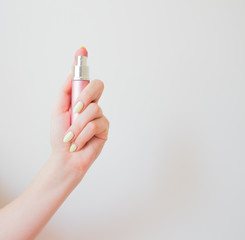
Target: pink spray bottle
x=80, y=78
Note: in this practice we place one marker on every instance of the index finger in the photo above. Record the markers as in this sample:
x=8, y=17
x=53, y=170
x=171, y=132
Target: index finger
x=91, y=93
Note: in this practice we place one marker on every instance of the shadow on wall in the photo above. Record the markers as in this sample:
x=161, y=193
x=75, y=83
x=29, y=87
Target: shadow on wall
x=176, y=187
x=47, y=235
x=175, y=191
x=179, y=176
x=4, y=199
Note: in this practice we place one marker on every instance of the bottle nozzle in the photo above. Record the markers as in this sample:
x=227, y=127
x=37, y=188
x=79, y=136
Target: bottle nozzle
x=80, y=70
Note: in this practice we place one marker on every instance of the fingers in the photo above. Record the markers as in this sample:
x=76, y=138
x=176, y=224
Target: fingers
x=63, y=100
x=91, y=93
x=96, y=128
x=92, y=112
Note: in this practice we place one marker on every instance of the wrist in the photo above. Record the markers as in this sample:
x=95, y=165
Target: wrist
x=62, y=168
x=48, y=190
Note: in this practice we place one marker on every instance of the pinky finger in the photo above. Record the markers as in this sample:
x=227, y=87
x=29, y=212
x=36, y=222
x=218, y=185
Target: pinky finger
x=97, y=128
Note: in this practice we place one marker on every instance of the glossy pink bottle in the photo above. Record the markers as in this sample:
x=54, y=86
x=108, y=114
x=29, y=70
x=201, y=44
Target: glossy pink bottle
x=80, y=80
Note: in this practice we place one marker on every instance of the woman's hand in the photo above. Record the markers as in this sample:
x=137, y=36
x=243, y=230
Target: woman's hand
x=65, y=167
x=79, y=144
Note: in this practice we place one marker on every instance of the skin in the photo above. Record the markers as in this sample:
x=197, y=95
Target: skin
x=25, y=217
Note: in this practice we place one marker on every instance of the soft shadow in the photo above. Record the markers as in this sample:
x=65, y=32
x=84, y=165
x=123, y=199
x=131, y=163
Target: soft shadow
x=177, y=187
x=48, y=235
x=4, y=198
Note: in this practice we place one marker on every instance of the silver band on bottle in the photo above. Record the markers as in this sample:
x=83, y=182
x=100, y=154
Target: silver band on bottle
x=81, y=70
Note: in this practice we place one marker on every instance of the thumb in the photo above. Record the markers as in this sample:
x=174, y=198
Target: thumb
x=63, y=101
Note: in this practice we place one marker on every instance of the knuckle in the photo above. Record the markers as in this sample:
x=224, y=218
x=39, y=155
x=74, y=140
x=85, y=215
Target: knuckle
x=92, y=126
x=99, y=83
x=95, y=108
x=87, y=96
x=105, y=137
x=107, y=122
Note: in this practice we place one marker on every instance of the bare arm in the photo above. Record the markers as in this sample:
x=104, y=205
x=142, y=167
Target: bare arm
x=27, y=215
x=74, y=149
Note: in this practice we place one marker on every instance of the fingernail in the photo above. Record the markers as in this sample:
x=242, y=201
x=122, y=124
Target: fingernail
x=73, y=147
x=68, y=137
x=78, y=107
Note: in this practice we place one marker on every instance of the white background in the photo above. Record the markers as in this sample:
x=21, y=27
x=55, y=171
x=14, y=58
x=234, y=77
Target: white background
x=173, y=167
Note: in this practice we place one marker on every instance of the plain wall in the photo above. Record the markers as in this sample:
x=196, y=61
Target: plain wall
x=173, y=167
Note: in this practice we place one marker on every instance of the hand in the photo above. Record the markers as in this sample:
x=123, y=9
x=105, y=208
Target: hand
x=64, y=169
x=89, y=130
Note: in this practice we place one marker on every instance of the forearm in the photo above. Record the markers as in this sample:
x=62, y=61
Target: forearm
x=27, y=215
x=24, y=218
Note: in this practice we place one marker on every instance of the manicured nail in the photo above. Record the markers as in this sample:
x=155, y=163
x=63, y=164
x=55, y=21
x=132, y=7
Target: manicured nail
x=78, y=107
x=68, y=137
x=73, y=147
